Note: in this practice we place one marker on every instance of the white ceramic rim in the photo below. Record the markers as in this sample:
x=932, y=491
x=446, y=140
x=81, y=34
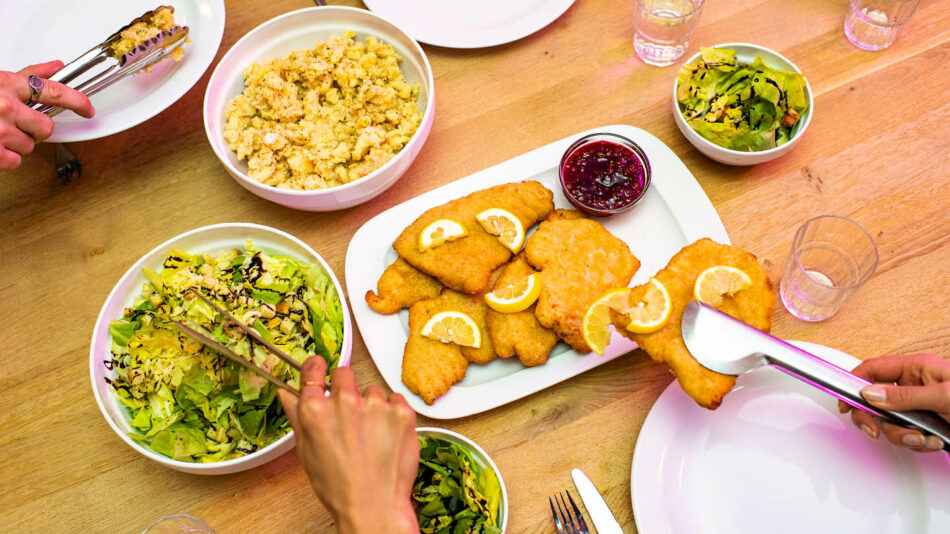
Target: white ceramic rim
x=466, y=41
x=426, y=115
x=346, y=350
x=443, y=432
x=801, y=130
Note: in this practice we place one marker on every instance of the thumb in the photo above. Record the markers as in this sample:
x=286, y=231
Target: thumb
x=43, y=70
x=935, y=397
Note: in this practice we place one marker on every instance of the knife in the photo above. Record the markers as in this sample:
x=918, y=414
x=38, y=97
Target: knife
x=726, y=345
x=597, y=508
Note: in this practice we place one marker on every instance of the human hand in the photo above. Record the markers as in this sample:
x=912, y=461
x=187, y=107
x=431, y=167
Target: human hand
x=361, y=454
x=923, y=383
x=22, y=127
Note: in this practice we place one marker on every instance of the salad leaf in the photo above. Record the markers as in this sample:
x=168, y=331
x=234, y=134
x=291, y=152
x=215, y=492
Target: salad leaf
x=190, y=403
x=741, y=107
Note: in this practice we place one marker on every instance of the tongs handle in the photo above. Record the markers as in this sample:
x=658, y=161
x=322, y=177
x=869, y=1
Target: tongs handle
x=847, y=386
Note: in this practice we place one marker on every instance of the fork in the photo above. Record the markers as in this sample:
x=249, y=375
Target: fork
x=67, y=164
x=564, y=520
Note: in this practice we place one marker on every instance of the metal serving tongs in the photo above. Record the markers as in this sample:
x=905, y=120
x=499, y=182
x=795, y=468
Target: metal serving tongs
x=99, y=68
x=729, y=346
x=207, y=341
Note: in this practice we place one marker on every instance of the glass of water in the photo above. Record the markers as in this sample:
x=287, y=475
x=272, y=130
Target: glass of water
x=873, y=24
x=662, y=29
x=830, y=259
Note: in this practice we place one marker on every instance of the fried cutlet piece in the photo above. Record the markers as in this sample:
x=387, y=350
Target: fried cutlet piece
x=753, y=306
x=466, y=264
x=429, y=367
x=519, y=333
x=401, y=286
x=579, y=260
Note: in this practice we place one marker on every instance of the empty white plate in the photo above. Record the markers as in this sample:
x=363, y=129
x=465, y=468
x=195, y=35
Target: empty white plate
x=456, y=24
x=777, y=457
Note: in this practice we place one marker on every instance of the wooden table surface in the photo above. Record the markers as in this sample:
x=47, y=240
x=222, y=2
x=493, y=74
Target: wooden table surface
x=877, y=151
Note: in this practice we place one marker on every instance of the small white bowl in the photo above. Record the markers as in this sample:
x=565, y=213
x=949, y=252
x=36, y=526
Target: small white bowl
x=212, y=239
x=746, y=53
x=300, y=30
x=480, y=456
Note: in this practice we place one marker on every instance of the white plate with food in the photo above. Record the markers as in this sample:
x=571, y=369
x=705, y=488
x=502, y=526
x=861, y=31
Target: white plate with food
x=470, y=24
x=673, y=212
x=777, y=456
x=45, y=30
x=168, y=381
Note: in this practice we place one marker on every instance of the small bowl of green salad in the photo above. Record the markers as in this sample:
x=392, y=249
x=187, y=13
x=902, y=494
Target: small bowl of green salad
x=181, y=403
x=741, y=104
x=458, y=487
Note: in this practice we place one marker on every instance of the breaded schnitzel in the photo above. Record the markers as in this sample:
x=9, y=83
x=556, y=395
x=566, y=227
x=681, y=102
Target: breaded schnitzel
x=429, y=367
x=466, y=264
x=519, y=333
x=400, y=286
x=579, y=260
x=753, y=306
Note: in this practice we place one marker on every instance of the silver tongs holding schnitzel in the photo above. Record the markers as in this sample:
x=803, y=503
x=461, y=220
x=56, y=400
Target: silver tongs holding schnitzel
x=135, y=47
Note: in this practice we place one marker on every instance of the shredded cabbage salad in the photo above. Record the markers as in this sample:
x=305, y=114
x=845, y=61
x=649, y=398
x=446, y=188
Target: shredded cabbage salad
x=192, y=404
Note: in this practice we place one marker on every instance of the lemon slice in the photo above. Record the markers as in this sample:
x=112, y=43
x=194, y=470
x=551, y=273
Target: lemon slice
x=440, y=231
x=717, y=281
x=505, y=225
x=453, y=327
x=648, y=307
x=516, y=297
x=597, y=319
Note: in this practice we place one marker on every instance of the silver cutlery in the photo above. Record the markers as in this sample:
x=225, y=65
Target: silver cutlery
x=567, y=520
x=600, y=514
x=726, y=345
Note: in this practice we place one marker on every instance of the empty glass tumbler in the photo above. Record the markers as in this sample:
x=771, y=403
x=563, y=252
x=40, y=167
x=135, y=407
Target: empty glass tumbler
x=873, y=24
x=663, y=28
x=831, y=257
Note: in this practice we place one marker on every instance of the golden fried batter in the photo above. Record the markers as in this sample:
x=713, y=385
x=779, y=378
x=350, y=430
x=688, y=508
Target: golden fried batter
x=579, y=260
x=752, y=306
x=519, y=333
x=466, y=264
x=401, y=286
x=429, y=367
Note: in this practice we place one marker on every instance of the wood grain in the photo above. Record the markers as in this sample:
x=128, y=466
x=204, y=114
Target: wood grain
x=877, y=151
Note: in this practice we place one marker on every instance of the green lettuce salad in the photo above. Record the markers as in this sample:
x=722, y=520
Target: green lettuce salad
x=192, y=404
x=452, y=493
x=738, y=106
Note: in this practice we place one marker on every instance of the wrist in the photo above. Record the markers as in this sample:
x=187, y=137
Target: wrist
x=395, y=521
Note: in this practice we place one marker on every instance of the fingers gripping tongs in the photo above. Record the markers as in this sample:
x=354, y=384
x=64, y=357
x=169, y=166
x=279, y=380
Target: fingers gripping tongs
x=726, y=345
x=102, y=66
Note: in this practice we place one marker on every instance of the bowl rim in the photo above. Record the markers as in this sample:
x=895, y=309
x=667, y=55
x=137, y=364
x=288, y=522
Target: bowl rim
x=617, y=139
x=305, y=193
x=132, y=271
x=471, y=443
x=709, y=144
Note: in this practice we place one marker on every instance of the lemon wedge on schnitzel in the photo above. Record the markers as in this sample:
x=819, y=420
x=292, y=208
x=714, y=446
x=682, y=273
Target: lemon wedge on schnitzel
x=505, y=225
x=439, y=232
x=516, y=297
x=716, y=282
x=648, y=307
x=453, y=327
x=597, y=319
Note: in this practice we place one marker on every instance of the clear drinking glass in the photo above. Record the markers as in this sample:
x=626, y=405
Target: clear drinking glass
x=873, y=24
x=830, y=259
x=179, y=524
x=662, y=29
